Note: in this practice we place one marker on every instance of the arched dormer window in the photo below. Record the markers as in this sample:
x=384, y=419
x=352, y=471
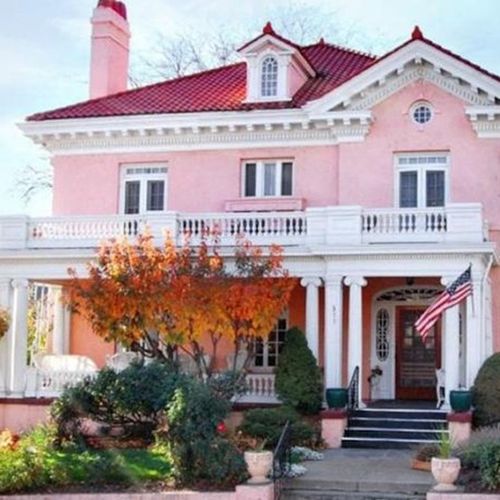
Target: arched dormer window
x=269, y=77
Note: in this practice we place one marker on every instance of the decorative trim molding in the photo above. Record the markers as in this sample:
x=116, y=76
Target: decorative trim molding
x=414, y=72
x=86, y=138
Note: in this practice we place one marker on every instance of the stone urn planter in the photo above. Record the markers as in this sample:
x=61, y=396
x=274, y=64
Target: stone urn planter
x=445, y=472
x=259, y=464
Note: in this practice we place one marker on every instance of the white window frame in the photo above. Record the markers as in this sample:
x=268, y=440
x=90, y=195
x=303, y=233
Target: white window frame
x=421, y=169
x=265, y=368
x=143, y=178
x=260, y=179
x=261, y=76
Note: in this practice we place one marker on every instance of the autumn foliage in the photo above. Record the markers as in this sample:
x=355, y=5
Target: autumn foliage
x=164, y=300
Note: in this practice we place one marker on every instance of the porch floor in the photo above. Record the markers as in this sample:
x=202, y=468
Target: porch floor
x=354, y=473
x=402, y=404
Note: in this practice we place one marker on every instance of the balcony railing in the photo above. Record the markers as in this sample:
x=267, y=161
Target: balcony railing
x=315, y=227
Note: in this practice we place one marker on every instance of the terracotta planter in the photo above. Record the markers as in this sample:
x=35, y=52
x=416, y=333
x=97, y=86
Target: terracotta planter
x=421, y=465
x=259, y=464
x=445, y=472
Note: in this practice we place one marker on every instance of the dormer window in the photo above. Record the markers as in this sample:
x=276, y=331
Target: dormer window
x=276, y=67
x=269, y=77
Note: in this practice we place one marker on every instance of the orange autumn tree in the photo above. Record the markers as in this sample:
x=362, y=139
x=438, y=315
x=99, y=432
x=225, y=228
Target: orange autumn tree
x=162, y=300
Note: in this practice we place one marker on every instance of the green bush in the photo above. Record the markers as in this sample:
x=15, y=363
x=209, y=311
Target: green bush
x=134, y=397
x=267, y=424
x=298, y=377
x=199, y=456
x=482, y=453
x=486, y=392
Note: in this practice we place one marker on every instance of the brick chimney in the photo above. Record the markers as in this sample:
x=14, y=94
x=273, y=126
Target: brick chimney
x=110, y=49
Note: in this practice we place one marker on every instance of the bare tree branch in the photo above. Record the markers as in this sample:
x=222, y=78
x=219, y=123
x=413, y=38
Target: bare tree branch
x=33, y=180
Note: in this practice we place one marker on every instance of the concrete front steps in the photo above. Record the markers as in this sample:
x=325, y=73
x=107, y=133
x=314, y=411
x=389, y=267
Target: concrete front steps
x=393, y=428
x=366, y=474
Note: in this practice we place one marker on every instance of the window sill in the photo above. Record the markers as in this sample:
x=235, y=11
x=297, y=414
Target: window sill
x=264, y=204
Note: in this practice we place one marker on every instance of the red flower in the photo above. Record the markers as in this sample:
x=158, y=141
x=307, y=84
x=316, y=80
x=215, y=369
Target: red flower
x=221, y=428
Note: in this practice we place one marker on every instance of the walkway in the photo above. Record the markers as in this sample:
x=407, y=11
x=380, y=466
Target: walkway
x=358, y=473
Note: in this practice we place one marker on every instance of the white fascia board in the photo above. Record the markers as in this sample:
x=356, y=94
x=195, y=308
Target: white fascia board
x=414, y=50
x=167, y=120
x=482, y=110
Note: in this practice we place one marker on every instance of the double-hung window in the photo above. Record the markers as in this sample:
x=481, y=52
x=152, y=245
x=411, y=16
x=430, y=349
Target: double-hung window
x=144, y=189
x=267, y=178
x=422, y=180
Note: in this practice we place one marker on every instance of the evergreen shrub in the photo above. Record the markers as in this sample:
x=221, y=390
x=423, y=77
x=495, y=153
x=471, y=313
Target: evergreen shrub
x=298, y=377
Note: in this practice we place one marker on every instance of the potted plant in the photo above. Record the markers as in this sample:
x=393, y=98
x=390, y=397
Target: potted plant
x=259, y=463
x=336, y=397
x=4, y=322
x=461, y=400
x=444, y=467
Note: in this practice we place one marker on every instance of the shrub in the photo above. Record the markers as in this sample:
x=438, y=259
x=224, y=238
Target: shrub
x=298, y=377
x=482, y=452
x=486, y=392
x=134, y=398
x=267, y=424
x=198, y=455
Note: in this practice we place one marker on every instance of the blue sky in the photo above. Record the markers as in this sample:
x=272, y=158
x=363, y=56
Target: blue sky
x=45, y=46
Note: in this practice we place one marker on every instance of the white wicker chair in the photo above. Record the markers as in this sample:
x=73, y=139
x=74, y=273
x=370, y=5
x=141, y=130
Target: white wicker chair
x=121, y=360
x=440, y=387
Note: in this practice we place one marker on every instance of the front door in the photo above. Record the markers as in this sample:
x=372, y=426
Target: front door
x=416, y=360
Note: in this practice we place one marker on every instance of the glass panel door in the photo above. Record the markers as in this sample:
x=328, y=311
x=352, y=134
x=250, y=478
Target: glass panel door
x=416, y=360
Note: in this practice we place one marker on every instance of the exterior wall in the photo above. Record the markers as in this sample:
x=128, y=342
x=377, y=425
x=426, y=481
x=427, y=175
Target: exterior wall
x=85, y=342
x=198, y=181
x=475, y=163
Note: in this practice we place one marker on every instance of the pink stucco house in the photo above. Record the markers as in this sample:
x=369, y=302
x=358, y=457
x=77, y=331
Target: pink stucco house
x=379, y=176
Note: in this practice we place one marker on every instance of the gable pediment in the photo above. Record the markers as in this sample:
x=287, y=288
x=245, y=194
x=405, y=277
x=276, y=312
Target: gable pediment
x=415, y=61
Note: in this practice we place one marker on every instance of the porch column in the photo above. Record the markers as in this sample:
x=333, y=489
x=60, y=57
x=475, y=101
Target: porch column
x=355, y=356
x=18, y=342
x=452, y=351
x=5, y=300
x=312, y=313
x=473, y=334
x=333, y=331
x=59, y=333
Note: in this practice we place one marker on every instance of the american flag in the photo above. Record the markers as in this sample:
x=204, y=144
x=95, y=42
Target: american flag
x=452, y=295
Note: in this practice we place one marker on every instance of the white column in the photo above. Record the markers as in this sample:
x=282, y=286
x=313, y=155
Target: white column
x=5, y=298
x=58, y=334
x=473, y=334
x=312, y=313
x=18, y=342
x=452, y=351
x=355, y=345
x=333, y=331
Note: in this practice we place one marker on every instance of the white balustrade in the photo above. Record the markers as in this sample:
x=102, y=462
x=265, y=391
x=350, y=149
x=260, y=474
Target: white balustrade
x=265, y=228
x=260, y=389
x=400, y=224
x=51, y=383
x=314, y=227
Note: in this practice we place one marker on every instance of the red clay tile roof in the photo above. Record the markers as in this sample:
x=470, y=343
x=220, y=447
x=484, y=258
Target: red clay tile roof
x=220, y=89
x=224, y=89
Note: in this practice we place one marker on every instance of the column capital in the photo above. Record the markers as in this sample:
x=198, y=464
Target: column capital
x=355, y=281
x=20, y=283
x=333, y=279
x=310, y=281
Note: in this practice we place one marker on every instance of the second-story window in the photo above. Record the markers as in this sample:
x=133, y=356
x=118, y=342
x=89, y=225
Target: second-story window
x=267, y=178
x=144, y=189
x=421, y=180
x=269, y=77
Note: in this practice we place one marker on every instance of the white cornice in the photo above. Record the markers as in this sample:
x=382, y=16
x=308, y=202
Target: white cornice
x=198, y=131
x=485, y=121
x=415, y=52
